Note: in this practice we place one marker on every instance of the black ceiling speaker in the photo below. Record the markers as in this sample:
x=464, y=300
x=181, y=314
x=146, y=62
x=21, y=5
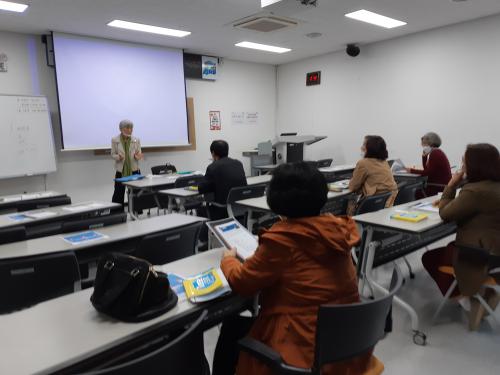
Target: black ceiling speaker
x=352, y=50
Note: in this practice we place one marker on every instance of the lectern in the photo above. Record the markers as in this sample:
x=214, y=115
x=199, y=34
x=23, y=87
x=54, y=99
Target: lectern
x=290, y=148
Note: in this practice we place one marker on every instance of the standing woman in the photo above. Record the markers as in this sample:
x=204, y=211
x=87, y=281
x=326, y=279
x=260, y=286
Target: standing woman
x=126, y=150
x=435, y=163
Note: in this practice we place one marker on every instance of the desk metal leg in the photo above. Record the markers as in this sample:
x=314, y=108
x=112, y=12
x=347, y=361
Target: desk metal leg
x=130, y=195
x=250, y=221
x=182, y=208
x=419, y=337
x=170, y=207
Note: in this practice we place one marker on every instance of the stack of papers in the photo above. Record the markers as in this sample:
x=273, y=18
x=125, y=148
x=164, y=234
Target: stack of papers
x=339, y=186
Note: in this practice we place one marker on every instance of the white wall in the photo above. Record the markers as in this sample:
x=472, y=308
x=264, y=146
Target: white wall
x=83, y=175
x=445, y=80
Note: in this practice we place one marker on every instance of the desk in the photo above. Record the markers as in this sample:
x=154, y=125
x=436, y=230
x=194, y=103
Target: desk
x=404, y=238
x=265, y=168
x=181, y=194
x=53, y=217
x=150, y=184
x=116, y=234
x=67, y=334
x=335, y=204
x=9, y=203
x=337, y=172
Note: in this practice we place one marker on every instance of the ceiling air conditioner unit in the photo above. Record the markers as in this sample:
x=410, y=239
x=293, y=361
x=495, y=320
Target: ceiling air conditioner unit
x=265, y=23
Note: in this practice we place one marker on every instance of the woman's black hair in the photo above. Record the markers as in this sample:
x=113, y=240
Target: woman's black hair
x=297, y=190
x=375, y=147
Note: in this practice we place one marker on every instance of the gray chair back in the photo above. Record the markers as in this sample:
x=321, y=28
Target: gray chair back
x=170, y=245
x=29, y=280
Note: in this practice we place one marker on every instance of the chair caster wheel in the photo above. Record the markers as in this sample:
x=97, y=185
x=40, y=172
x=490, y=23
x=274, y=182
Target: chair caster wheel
x=419, y=338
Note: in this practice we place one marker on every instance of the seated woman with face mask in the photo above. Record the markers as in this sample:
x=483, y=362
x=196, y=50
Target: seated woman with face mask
x=435, y=163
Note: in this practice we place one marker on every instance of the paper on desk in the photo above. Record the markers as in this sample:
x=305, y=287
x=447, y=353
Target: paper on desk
x=84, y=237
x=425, y=206
x=41, y=214
x=81, y=207
x=30, y=196
x=11, y=199
x=177, y=286
x=95, y=205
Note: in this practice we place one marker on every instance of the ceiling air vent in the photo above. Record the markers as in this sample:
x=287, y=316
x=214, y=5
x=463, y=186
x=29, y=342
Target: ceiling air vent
x=265, y=24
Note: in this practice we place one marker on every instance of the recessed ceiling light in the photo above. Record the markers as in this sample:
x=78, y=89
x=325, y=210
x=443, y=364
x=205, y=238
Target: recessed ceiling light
x=13, y=7
x=375, y=19
x=265, y=3
x=148, y=28
x=262, y=47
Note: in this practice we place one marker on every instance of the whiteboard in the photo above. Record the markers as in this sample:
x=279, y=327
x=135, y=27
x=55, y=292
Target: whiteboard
x=26, y=140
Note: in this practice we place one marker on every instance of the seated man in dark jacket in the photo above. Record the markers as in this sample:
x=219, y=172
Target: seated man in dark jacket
x=221, y=176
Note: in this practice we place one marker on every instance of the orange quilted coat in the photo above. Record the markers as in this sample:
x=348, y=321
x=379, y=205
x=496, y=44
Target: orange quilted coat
x=299, y=265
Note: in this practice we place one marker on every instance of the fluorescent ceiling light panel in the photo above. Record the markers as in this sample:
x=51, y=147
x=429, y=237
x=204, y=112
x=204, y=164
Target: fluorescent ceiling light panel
x=375, y=19
x=12, y=7
x=262, y=47
x=148, y=28
x=265, y=3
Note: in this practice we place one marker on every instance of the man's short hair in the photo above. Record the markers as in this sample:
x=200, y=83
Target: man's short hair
x=219, y=148
x=297, y=190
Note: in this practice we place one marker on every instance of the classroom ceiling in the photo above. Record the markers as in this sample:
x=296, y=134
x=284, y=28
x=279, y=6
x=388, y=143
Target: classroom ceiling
x=210, y=22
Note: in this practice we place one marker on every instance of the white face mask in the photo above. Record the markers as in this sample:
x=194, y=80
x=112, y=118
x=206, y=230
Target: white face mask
x=427, y=150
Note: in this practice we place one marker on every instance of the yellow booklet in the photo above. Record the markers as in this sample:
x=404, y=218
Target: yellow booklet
x=413, y=217
x=206, y=286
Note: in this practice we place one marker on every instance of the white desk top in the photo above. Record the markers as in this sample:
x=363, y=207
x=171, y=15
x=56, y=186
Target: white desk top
x=260, y=203
x=183, y=193
x=157, y=180
x=338, y=168
x=55, y=212
x=257, y=180
x=113, y=233
x=267, y=167
x=5, y=199
x=66, y=330
x=383, y=218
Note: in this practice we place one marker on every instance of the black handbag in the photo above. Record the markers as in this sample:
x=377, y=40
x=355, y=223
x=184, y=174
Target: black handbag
x=129, y=289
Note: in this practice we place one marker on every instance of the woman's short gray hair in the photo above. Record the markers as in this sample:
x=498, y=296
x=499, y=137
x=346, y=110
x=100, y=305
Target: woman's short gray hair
x=126, y=124
x=432, y=139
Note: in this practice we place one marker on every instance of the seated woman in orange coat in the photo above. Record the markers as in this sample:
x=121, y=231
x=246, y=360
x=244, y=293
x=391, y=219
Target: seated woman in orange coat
x=302, y=262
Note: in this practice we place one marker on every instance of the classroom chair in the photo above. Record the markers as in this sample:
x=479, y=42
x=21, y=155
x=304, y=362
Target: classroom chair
x=182, y=355
x=168, y=246
x=480, y=257
x=29, y=280
x=193, y=203
x=12, y=234
x=407, y=192
x=343, y=332
x=238, y=194
x=42, y=203
x=372, y=203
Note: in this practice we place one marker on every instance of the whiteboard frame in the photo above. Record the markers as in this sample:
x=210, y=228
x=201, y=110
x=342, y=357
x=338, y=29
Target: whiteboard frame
x=41, y=173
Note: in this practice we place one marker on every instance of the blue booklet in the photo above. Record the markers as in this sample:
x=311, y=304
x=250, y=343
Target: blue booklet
x=133, y=177
x=83, y=237
x=19, y=217
x=177, y=285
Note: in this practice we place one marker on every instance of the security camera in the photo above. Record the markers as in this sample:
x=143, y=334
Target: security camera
x=352, y=50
